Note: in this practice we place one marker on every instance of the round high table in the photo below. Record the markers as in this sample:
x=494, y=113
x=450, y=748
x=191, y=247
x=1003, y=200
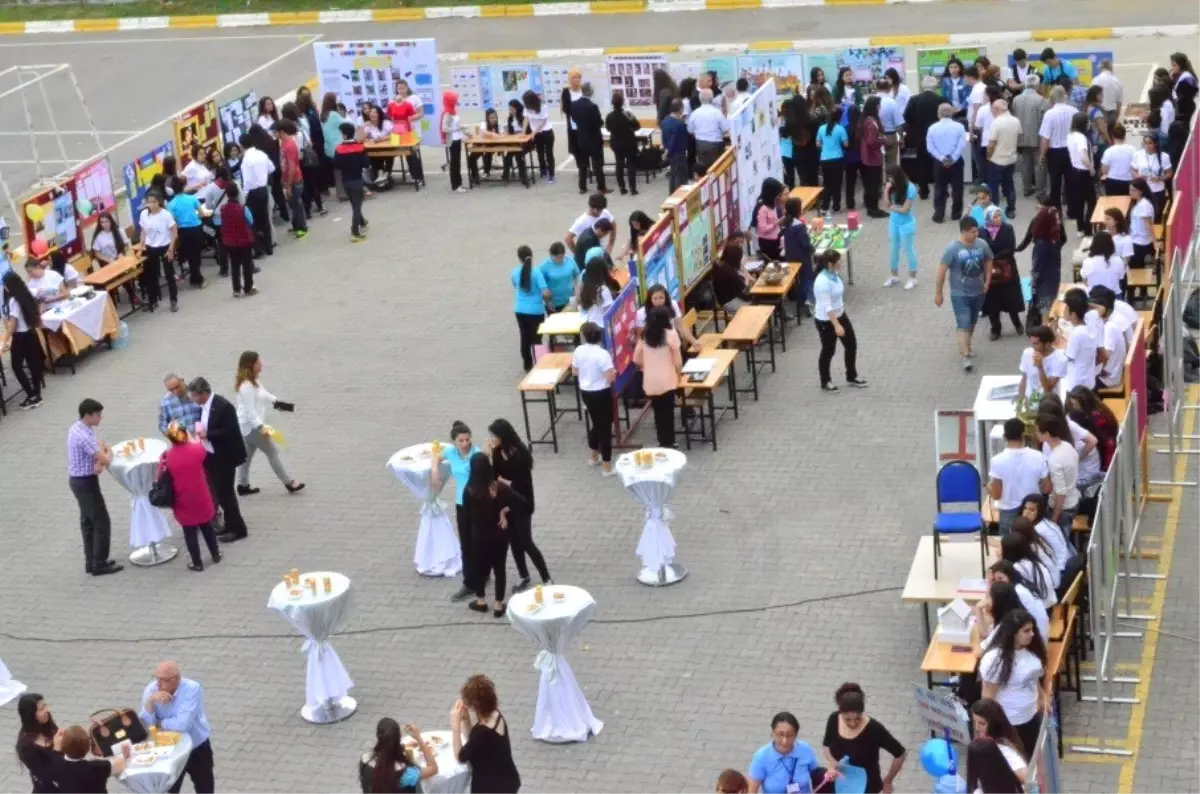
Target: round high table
x=453, y=777
x=148, y=530
x=652, y=487
x=438, y=553
x=563, y=713
x=317, y=617
x=158, y=777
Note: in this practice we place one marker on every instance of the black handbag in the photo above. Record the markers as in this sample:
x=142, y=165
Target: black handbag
x=110, y=727
x=162, y=493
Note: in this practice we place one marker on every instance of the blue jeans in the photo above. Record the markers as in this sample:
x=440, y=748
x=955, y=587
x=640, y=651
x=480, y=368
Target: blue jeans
x=966, y=310
x=1065, y=519
x=902, y=238
x=1000, y=177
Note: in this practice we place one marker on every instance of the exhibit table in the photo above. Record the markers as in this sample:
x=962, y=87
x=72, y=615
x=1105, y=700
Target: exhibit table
x=993, y=407
x=563, y=713
x=74, y=326
x=652, y=486
x=317, y=616
x=452, y=777
x=134, y=465
x=154, y=772
x=438, y=552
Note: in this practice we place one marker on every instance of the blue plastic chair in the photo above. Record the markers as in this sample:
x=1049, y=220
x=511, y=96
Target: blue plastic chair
x=960, y=505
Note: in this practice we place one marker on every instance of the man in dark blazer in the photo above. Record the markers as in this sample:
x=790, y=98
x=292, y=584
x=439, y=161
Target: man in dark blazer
x=218, y=429
x=920, y=114
x=589, y=139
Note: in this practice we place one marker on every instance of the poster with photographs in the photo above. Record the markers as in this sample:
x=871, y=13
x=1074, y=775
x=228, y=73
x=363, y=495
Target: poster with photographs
x=237, y=116
x=554, y=80
x=93, y=184
x=464, y=81
x=54, y=221
x=499, y=84
x=357, y=72
x=634, y=75
x=869, y=63
x=754, y=131
x=656, y=258
x=785, y=68
x=198, y=125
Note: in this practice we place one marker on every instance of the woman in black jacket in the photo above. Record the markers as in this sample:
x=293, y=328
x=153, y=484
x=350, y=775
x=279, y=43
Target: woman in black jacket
x=622, y=129
x=513, y=465
x=493, y=504
x=1004, y=294
x=304, y=102
x=35, y=741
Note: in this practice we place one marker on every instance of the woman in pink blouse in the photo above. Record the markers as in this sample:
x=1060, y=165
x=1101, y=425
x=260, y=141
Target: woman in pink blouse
x=766, y=217
x=661, y=360
x=193, y=503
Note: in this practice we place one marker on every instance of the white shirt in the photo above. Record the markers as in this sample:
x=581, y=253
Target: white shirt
x=105, y=245
x=14, y=311
x=1035, y=572
x=827, y=293
x=196, y=174
x=708, y=124
x=1141, y=224
x=1096, y=270
x=596, y=313
x=1052, y=534
x=1005, y=132
x=983, y=122
x=1114, y=92
x=587, y=221
x=70, y=274
x=975, y=101
x=1118, y=159
x=739, y=102
x=539, y=120
x=1080, y=149
x=1089, y=465
x=47, y=286
x=253, y=402
x=641, y=314
x=1063, y=463
x=1019, y=697
x=204, y=411
x=1124, y=245
x=373, y=133
x=1056, y=125
x=592, y=361
x=452, y=126
x=1152, y=168
x=1081, y=359
x=1034, y=606
x=156, y=227
x=266, y=122
x=1114, y=343
x=902, y=97
x=1020, y=472
x=1125, y=316
x=1054, y=364
x=256, y=169
x=1167, y=111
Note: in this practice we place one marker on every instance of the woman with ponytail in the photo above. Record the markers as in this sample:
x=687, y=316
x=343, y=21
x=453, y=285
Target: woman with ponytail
x=832, y=322
x=529, y=303
x=832, y=139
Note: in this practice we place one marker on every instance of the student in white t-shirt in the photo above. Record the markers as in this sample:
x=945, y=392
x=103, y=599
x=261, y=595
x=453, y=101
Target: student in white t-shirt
x=1063, y=462
x=1116, y=164
x=1103, y=267
x=1155, y=167
x=1081, y=347
x=1014, y=473
x=1117, y=227
x=44, y=284
x=1141, y=223
x=990, y=722
x=1034, y=509
x=1011, y=673
x=1026, y=559
x=1042, y=364
x=597, y=209
x=593, y=367
x=1113, y=345
x=543, y=134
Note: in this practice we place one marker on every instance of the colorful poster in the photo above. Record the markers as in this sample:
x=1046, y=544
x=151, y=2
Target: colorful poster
x=725, y=66
x=786, y=68
x=237, y=116
x=692, y=216
x=357, y=72
x=828, y=64
x=656, y=256
x=499, y=84
x=723, y=185
x=620, y=333
x=138, y=174
x=941, y=712
x=1086, y=63
x=634, y=75
x=200, y=125
x=754, y=131
x=56, y=224
x=933, y=61
x=464, y=81
x=93, y=183
x=869, y=63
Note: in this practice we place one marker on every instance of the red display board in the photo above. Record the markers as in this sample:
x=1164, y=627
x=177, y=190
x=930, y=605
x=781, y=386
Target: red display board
x=200, y=125
x=54, y=220
x=620, y=332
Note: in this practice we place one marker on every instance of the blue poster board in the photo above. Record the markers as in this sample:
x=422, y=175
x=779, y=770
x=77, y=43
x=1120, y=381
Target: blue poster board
x=1087, y=64
x=620, y=333
x=139, y=173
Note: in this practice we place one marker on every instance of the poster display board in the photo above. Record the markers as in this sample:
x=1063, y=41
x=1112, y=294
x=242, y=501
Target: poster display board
x=634, y=75
x=499, y=84
x=932, y=61
x=464, y=81
x=1086, y=63
x=828, y=64
x=754, y=130
x=684, y=70
x=199, y=125
x=656, y=259
x=941, y=712
x=869, y=63
x=620, y=333
x=691, y=220
x=556, y=78
x=357, y=72
x=785, y=68
x=138, y=174
x=725, y=66
x=49, y=215
x=722, y=183
x=493, y=85
x=94, y=191
x=237, y=116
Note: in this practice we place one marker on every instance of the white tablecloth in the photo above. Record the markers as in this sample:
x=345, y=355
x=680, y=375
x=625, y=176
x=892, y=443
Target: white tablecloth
x=9, y=687
x=652, y=488
x=162, y=774
x=136, y=473
x=85, y=314
x=563, y=713
x=317, y=617
x=438, y=552
x=452, y=777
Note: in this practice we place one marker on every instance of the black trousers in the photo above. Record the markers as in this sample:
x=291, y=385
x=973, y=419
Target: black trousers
x=851, y=179
x=808, y=164
x=994, y=321
x=27, y=354
x=1116, y=187
x=599, y=406
x=190, y=246
x=191, y=537
x=1058, y=167
x=872, y=177
x=93, y=520
x=416, y=169
x=789, y=172
x=455, y=150
x=473, y=166
x=241, y=263
x=543, y=144
x=527, y=325
x=520, y=531
x=924, y=172
x=948, y=180
x=626, y=170
x=281, y=204
x=463, y=519
x=522, y=168
x=1028, y=734
x=152, y=272
x=382, y=165
x=312, y=185
x=200, y=769
x=492, y=556
x=664, y=418
x=221, y=478
x=831, y=179
x=829, y=340
x=355, y=193
x=590, y=162
x=257, y=201
x=1081, y=198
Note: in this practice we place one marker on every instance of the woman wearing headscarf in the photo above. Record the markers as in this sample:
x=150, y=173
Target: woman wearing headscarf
x=1048, y=236
x=1004, y=289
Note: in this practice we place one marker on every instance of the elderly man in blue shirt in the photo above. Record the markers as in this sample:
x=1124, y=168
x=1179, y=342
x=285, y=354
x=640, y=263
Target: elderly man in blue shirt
x=176, y=406
x=946, y=141
x=174, y=703
x=892, y=120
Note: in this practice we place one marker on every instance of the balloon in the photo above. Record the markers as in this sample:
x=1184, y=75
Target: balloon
x=84, y=206
x=937, y=755
x=950, y=784
x=34, y=213
x=38, y=247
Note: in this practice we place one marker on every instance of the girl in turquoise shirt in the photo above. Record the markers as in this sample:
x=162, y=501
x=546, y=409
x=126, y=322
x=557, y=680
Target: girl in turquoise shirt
x=458, y=456
x=561, y=275
x=529, y=303
x=832, y=139
x=902, y=225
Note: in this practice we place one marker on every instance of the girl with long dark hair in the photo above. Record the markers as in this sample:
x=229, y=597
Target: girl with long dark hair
x=989, y=771
x=832, y=139
x=820, y=103
x=852, y=122
x=1012, y=670
x=1142, y=217
x=1036, y=510
x=901, y=197
x=543, y=134
x=1093, y=415
x=787, y=149
x=35, y=741
x=310, y=164
x=389, y=767
x=990, y=722
x=798, y=248
x=253, y=404
x=597, y=287
x=954, y=86
x=1048, y=235
x=845, y=91
x=458, y=455
x=378, y=127
x=1027, y=561
x=316, y=133
x=766, y=217
x=516, y=124
x=529, y=303
x=665, y=90
x=796, y=128
x=513, y=465
x=1081, y=189
x=659, y=355
x=159, y=234
x=493, y=505
x=832, y=321
x=872, y=157
x=489, y=128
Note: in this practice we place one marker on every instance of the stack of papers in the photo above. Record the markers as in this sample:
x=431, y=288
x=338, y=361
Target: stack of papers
x=700, y=365
x=544, y=377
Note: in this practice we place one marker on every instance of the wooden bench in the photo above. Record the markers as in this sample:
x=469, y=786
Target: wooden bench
x=535, y=383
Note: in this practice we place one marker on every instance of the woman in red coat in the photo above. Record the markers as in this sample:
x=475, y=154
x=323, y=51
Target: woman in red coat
x=193, y=504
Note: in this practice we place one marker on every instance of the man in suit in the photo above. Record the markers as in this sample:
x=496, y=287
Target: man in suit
x=920, y=114
x=218, y=429
x=589, y=139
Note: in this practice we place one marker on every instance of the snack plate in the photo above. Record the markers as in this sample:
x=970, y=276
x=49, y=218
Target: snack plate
x=143, y=759
x=532, y=608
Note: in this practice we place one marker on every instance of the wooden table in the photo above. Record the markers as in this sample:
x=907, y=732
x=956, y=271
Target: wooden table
x=959, y=560
x=744, y=332
x=398, y=148
x=116, y=274
x=775, y=295
x=550, y=362
x=1108, y=202
x=809, y=197
x=947, y=658
x=700, y=395
x=515, y=145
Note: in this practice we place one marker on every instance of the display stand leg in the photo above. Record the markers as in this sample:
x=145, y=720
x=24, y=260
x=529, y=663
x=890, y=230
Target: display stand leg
x=330, y=711
x=154, y=554
x=665, y=576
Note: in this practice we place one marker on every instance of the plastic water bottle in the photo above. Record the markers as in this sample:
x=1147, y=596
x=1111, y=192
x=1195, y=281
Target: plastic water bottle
x=122, y=340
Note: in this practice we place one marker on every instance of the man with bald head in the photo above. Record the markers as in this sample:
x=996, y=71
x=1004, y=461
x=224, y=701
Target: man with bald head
x=174, y=703
x=1004, y=139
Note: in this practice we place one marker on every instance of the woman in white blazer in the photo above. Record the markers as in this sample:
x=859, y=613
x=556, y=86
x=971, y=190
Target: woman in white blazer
x=253, y=403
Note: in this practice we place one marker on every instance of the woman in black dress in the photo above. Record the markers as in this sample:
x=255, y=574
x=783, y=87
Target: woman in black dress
x=492, y=505
x=850, y=733
x=513, y=465
x=1004, y=294
x=35, y=741
x=487, y=748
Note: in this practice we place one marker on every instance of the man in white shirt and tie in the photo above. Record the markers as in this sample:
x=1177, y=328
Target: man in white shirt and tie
x=709, y=127
x=1114, y=93
x=1056, y=126
x=256, y=179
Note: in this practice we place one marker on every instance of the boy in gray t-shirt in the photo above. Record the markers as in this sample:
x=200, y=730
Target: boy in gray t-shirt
x=968, y=261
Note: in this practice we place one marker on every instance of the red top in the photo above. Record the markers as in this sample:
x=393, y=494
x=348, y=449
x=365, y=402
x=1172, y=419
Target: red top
x=400, y=113
x=289, y=157
x=869, y=151
x=235, y=229
x=193, y=500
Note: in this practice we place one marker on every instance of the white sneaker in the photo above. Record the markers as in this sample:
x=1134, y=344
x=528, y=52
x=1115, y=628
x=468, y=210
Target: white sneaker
x=891, y=282
x=461, y=189
x=912, y=282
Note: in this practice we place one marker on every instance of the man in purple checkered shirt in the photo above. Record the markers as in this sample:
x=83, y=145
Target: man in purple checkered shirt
x=86, y=458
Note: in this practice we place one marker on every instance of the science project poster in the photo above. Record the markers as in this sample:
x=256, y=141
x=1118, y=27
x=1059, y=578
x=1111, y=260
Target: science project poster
x=53, y=218
x=785, y=68
x=634, y=75
x=656, y=255
x=828, y=64
x=933, y=61
x=357, y=72
x=869, y=63
x=620, y=327
x=237, y=116
x=199, y=125
x=138, y=174
x=693, y=231
x=754, y=131
x=499, y=84
x=93, y=184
